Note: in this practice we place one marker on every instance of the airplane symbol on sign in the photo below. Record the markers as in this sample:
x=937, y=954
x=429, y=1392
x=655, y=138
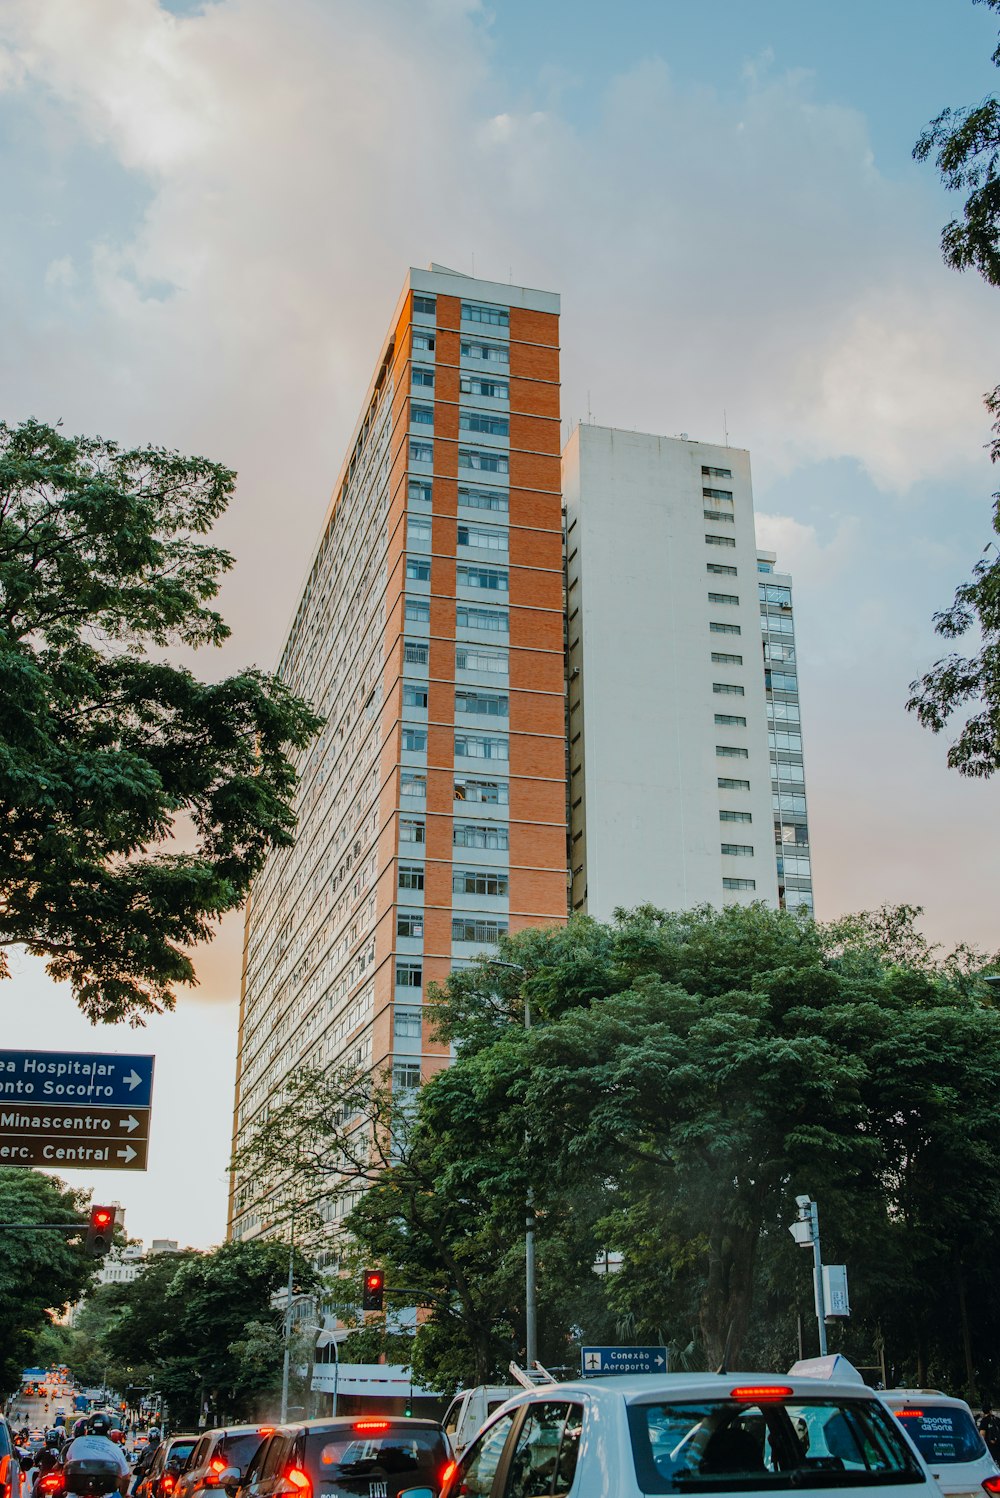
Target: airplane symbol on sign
x=592, y=1362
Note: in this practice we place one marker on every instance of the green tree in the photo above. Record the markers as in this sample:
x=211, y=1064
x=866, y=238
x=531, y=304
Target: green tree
x=106, y=750
x=40, y=1272
x=965, y=146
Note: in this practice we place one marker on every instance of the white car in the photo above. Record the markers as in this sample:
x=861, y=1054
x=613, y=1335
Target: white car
x=945, y=1434
x=688, y=1434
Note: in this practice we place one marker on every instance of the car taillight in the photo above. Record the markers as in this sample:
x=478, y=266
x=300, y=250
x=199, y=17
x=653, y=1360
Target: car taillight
x=992, y=1484
x=215, y=1466
x=300, y=1481
x=448, y=1472
x=760, y=1391
x=909, y=1414
x=167, y=1482
x=371, y=1427
x=51, y=1482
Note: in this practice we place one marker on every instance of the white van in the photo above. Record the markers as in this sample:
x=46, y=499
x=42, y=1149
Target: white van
x=471, y=1408
x=945, y=1434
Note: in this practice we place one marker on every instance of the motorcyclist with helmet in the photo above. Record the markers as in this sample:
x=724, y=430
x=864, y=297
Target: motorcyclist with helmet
x=93, y=1463
x=145, y=1461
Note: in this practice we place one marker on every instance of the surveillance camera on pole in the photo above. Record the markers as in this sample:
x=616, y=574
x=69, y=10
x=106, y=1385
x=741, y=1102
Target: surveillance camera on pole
x=805, y=1231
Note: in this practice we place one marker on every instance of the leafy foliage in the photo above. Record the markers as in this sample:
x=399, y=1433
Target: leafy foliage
x=965, y=145
x=685, y=1076
x=106, y=752
x=39, y=1272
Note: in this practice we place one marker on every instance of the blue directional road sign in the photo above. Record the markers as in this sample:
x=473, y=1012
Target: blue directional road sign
x=624, y=1359
x=76, y=1079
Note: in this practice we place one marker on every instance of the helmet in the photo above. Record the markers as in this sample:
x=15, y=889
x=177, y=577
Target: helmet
x=99, y=1425
x=53, y=1438
x=79, y=1428
x=47, y=1460
x=154, y=1433
x=116, y=1435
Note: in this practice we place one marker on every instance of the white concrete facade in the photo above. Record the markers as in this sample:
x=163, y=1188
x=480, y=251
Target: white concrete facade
x=670, y=777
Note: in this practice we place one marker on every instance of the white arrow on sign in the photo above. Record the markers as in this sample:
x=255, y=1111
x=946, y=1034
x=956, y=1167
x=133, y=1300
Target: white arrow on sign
x=127, y=1154
x=660, y=1362
x=129, y=1124
x=133, y=1079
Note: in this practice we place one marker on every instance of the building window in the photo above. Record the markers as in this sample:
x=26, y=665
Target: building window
x=480, y=746
x=415, y=652
x=421, y=415
x=418, y=530
x=479, y=385
x=479, y=658
x=487, y=537
x=411, y=784
x=411, y=831
x=725, y=629
x=730, y=720
x=737, y=850
x=730, y=599
x=485, y=499
x=488, y=792
x=716, y=473
x=728, y=689
x=498, y=317
x=774, y=593
x=719, y=516
x=483, y=421
x=721, y=496
x=491, y=579
x=424, y=303
x=722, y=658
x=410, y=923
x=467, y=617
x=407, y=1023
x=419, y=492
x=718, y=540
x=414, y=696
x=418, y=569
x=409, y=974
x=720, y=569
x=780, y=681
x=784, y=740
x=469, y=928
x=423, y=376
x=491, y=353
x=481, y=835
x=726, y=784
x=485, y=461
x=421, y=452
x=735, y=816
x=479, y=882
x=411, y=876
x=764, y=566
x=731, y=751
x=424, y=341
x=739, y=884
x=418, y=610
x=405, y=1076
x=414, y=740
x=488, y=704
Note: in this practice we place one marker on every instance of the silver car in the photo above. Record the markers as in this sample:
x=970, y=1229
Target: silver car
x=944, y=1432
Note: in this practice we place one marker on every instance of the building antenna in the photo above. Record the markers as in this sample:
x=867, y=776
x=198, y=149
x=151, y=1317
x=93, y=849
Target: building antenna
x=725, y=429
x=590, y=414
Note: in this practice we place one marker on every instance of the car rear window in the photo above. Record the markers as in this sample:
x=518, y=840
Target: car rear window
x=943, y=1434
x=766, y=1443
x=375, y=1448
x=180, y=1451
x=239, y=1450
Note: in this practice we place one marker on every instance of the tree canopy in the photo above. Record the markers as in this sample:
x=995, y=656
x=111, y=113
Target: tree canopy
x=107, y=751
x=40, y=1272
x=965, y=146
x=685, y=1077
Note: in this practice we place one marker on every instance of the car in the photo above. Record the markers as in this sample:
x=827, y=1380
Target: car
x=165, y=1468
x=224, y=1450
x=10, y=1463
x=944, y=1432
x=374, y=1456
x=691, y=1433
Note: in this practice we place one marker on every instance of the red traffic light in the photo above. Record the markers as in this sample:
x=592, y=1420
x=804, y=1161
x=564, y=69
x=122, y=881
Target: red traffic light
x=374, y=1281
x=101, y=1217
x=372, y=1290
x=100, y=1230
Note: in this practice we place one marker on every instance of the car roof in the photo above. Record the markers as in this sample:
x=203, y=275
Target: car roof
x=647, y=1388
x=348, y=1422
x=922, y=1396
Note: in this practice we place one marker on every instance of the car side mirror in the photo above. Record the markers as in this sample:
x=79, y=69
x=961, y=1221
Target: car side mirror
x=229, y=1478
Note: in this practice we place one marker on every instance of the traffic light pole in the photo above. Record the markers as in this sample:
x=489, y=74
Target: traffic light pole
x=287, y=1360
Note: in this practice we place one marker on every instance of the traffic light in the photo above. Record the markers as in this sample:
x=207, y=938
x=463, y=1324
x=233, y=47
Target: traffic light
x=100, y=1231
x=372, y=1290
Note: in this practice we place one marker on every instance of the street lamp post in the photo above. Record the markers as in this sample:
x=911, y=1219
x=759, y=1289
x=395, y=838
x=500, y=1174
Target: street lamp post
x=287, y=1360
x=530, y=1305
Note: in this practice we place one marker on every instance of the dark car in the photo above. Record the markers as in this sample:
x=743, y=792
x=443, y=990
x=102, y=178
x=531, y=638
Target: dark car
x=218, y=1451
x=164, y=1472
x=10, y=1465
x=345, y=1457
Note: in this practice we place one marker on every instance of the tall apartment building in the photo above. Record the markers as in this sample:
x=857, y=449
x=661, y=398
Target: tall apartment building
x=432, y=807
x=676, y=725
x=784, y=726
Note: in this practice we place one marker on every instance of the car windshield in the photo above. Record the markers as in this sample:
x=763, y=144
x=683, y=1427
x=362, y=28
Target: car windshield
x=943, y=1434
x=768, y=1443
x=375, y=1448
x=238, y=1450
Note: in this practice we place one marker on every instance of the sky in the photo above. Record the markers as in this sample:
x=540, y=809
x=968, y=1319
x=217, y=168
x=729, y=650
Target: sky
x=209, y=209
